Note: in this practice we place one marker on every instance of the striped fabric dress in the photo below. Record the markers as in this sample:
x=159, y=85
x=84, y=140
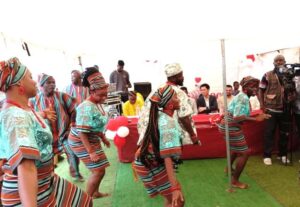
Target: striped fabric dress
x=63, y=104
x=156, y=180
x=23, y=137
x=238, y=109
x=90, y=119
x=78, y=92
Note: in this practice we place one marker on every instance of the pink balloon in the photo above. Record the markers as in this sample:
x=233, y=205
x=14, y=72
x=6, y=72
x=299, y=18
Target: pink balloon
x=197, y=79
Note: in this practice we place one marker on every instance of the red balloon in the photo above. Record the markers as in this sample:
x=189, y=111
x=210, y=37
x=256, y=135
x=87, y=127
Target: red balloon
x=122, y=121
x=112, y=125
x=197, y=79
x=119, y=142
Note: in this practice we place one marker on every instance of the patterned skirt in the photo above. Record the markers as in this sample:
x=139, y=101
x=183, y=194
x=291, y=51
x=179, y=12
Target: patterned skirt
x=155, y=180
x=81, y=152
x=56, y=192
x=237, y=140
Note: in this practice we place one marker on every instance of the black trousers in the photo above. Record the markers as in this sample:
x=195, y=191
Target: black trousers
x=283, y=122
x=297, y=121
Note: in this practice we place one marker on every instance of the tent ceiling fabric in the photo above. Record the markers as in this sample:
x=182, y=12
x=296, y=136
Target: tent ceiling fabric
x=151, y=26
x=161, y=31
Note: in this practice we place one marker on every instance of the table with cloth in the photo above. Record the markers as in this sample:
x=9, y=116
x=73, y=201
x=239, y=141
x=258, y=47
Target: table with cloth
x=213, y=143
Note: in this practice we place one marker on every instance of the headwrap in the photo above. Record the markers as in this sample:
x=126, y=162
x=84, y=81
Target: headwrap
x=97, y=81
x=172, y=69
x=44, y=77
x=249, y=82
x=11, y=72
x=163, y=95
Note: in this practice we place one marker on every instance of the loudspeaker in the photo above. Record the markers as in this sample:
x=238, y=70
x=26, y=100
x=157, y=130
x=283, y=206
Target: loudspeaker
x=143, y=88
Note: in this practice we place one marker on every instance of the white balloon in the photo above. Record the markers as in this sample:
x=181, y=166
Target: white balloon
x=123, y=131
x=110, y=134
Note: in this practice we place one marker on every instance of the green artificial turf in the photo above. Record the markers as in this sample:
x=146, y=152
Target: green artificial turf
x=204, y=184
x=108, y=182
x=279, y=180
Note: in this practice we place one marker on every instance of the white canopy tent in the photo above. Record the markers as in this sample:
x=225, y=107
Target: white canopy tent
x=146, y=35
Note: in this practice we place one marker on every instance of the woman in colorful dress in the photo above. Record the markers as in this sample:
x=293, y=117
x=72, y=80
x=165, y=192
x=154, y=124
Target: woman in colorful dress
x=160, y=146
x=238, y=112
x=85, y=137
x=26, y=148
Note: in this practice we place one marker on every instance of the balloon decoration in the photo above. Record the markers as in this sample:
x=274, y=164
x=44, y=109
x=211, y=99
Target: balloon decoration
x=119, y=141
x=251, y=57
x=123, y=131
x=117, y=130
x=112, y=125
x=110, y=134
x=122, y=121
x=198, y=79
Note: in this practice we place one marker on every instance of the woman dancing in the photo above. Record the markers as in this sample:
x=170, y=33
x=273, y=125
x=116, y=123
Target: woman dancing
x=238, y=112
x=26, y=148
x=85, y=137
x=160, y=146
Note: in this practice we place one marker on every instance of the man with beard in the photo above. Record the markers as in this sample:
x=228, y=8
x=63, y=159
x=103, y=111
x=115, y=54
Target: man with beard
x=175, y=79
x=75, y=89
x=271, y=100
x=62, y=107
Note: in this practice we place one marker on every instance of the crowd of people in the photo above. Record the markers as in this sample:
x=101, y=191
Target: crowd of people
x=39, y=123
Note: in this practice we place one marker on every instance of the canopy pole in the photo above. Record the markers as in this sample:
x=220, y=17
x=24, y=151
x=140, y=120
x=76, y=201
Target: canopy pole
x=226, y=115
x=80, y=63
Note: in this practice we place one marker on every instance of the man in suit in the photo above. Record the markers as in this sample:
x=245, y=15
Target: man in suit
x=206, y=103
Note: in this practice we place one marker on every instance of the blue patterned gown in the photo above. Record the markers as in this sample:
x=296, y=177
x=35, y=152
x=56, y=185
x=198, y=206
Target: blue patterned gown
x=156, y=180
x=239, y=109
x=90, y=120
x=23, y=137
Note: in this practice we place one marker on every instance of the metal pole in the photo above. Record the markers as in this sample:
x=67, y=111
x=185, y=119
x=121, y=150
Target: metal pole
x=226, y=115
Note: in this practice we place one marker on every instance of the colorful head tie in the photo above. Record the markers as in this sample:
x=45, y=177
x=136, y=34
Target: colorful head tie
x=249, y=81
x=43, y=79
x=163, y=95
x=97, y=81
x=11, y=72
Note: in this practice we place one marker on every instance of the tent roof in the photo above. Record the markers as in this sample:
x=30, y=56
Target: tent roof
x=150, y=26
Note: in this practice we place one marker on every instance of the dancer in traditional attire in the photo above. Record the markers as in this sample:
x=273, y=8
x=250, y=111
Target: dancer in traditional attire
x=85, y=138
x=63, y=106
x=26, y=148
x=238, y=112
x=75, y=89
x=161, y=146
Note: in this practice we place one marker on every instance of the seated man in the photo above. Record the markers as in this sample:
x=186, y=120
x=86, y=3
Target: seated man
x=206, y=103
x=133, y=106
x=229, y=98
x=191, y=101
